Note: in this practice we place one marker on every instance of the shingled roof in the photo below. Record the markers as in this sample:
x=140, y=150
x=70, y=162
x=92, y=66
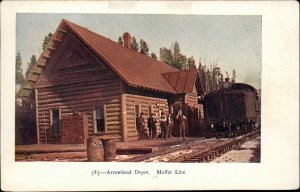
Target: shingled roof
x=134, y=68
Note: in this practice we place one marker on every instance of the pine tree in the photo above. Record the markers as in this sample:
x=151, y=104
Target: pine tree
x=177, y=57
x=233, y=76
x=134, y=45
x=153, y=55
x=202, y=74
x=166, y=55
x=30, y=65
x=19, y=71
x=120, y=41
x=191, y=63
x=144, y=47
x=46, y=40
x=208, y=81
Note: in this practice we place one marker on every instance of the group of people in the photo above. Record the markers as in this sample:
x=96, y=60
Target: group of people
x=166, y=125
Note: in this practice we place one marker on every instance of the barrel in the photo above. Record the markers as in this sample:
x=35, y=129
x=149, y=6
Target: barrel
x=109, y=150
x=95, y=149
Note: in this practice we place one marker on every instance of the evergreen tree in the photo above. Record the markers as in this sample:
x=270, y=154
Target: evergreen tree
x=202, y=74
x=19, y=71
x=208, y=81
x=166, y=55
x=153, y=55
x=120, y=41
x=144, y=47
x=191, y=63
x=177, y=57
x=134, y=45
x=30, y=65
x=46, y=40
x=233, y=76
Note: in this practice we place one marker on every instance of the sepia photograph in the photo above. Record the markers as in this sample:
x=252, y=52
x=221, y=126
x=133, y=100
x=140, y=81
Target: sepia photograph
x=151, y=90
x=138, y=94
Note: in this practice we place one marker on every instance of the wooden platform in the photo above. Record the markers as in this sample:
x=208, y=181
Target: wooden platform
x=48, y=152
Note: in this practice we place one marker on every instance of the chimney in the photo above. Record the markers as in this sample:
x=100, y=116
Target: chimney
x=127, y=40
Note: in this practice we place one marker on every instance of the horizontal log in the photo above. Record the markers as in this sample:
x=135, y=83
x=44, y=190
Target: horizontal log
x=131, y=127
x=114, y=127
x=130, y=113
x=109, y=99
x=109, y=131
x=116, y=118
x=112, y=105
x=79, y=96
x=130, y=97
x=68, y=90
x=113, y=110
x=78, y=85
x=87, y=102
x=113, y=114
x=88, y=105
x=114, y=123
x=114, y=136
x=76, y=77
x=52, y=97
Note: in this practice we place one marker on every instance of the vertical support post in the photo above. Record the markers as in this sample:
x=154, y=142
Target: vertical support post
x=45, y=130
x=124, y=116
x=37, y=116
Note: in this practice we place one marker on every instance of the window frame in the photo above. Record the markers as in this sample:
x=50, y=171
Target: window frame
x=95, y=106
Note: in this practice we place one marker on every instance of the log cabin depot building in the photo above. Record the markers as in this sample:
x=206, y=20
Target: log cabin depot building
x=110, y=83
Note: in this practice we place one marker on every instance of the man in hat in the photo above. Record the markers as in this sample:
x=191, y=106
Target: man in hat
x=140, y=125
x=152, y=126
x=170, y=124
x=163, y=125
x=182, y=123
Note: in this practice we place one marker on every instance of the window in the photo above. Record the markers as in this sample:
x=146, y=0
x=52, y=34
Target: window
x=99, y=120
x=55, y=120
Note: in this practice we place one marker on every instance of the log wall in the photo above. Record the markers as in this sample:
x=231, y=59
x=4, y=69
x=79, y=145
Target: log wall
x=82, y=97
x=144, y=103
x=191, y=99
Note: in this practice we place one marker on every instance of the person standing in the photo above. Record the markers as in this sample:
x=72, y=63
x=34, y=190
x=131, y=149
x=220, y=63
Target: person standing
x=163, y=125
x=152, y=126
x=140, y=122
x=170, y=125
x=181, y=121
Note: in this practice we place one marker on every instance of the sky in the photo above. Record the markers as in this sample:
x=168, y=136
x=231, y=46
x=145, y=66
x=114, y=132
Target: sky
x=233, y=42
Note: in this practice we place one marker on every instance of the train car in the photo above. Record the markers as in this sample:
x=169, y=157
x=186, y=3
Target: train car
x=233, y=110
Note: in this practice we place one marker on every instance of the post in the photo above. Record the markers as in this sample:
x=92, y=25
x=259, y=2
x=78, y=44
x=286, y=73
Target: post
x=37, y=116
x=124, y=116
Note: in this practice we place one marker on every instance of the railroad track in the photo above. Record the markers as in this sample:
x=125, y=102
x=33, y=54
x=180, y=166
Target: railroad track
x=215, y=151
x=193, y=151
